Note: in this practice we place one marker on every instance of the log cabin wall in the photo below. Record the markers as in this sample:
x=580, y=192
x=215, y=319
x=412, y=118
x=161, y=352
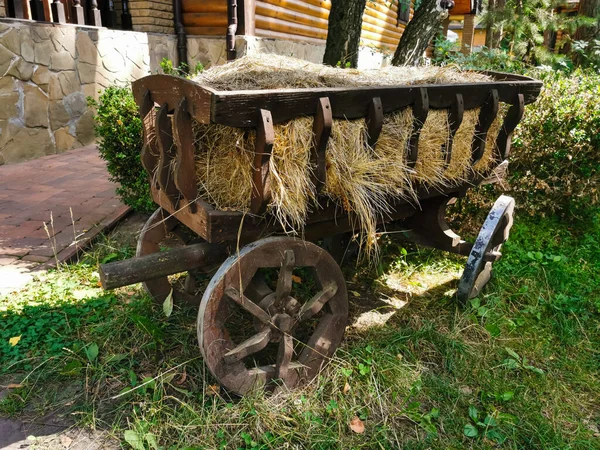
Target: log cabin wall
x=300, y=20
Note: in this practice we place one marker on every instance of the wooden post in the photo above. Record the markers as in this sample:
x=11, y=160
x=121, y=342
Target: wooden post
x=58, y=12
x=37, y=10
x=246, y=14
x=468, y=34
x=109, y=15
x=77, y=12
x=94, y=16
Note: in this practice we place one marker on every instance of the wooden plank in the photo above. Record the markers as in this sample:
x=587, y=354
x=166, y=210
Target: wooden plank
x=487, y=114
x=206, y=31
x=166, y=151
x=149, y=155
x=382, y=32
x=205, y=20
x=378, y=24
x=375, y=36
x=420, y=111
x=194, y=6
x=321, y=131
x=512, y=119
x=170, y=90
x=277, y=35
x=240, y=108
x=374, y=121
x=265, y=136
x=455, y=117
x=185, y=166
x=277, y=12
x=269, y=23
x=301, y=6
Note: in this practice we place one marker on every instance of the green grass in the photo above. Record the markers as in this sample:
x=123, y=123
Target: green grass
x=518, y=368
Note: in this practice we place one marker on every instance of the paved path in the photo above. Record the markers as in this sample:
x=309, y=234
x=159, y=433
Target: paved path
x=70, y=193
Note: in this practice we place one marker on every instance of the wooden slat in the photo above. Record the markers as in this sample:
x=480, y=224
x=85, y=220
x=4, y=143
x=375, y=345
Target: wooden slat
x=204, y=6
x=301, y=6
x=206, y=31
x=185, y=167
x=205, y=20
x=265, y=136
x=487, y=114
x=321, y=132
x=164, y=138
x=284, y=14
x=455, y=117
x=149, y=156
x=277, y=35
x=374, y=121
x=420, y=111
x=512, y=119
x=269, y=23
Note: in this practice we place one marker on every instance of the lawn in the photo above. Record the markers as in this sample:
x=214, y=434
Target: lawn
x=517, y=368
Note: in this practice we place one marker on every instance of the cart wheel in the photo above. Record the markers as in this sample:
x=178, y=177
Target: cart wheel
x=486, y=250
x=162, y=229
x=302, y=335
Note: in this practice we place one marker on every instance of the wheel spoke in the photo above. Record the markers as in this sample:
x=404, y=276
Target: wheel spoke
x=284, y=357
x=284, y=280
x=189, y=285
x=314, y=305
x=248, y=305
x=252, y=345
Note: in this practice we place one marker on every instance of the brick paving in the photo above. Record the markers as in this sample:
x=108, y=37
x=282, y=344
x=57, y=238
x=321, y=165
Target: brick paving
x=70, y=193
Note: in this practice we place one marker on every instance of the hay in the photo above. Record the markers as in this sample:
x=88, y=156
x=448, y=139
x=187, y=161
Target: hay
x=267, y=71
x=487, y=161
x=360, y=179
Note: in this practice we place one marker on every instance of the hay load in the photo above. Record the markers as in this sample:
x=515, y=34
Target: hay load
x=361, y=180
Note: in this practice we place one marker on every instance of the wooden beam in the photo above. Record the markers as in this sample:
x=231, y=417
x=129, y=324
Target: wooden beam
x=194, y=6
x=301, y=7
x=284, y=14
x=205, y=20
x=282, y=26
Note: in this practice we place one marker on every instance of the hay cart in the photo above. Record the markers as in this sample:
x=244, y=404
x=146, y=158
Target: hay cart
x=249, y=243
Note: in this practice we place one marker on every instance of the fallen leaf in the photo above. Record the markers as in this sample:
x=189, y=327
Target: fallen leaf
x=296, y=279
x=213, y=389
x=346, y=388
x=14, y=340
x=182, y=378
x=357, y=425
x=130, y=293
x=65, y=440
x=168, y=304
x=356, y=294
x=14, y=386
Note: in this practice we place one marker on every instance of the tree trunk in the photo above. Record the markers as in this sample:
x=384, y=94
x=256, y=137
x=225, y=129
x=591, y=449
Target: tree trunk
x=418, y=33
x=343, y=32
x=497, y=34
x=588, y=8
x=489, y=28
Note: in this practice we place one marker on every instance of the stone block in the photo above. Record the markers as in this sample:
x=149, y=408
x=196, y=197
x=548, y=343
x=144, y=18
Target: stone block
x=27, y=50
x=62, y=60
x=75, y=104
x=90, y=90
x=86, y=49
x=41, y=33
x=27, y=143
x=42, y=51
x=41, y=76
x=7, y=130
x=69, y=82
x=58, y=114
x=21, y=69
x=8, y=105
x=35, y=107
x=85, y=128
x=64, y=140
x=114, y=62
x=6, y=57
x=12, y=41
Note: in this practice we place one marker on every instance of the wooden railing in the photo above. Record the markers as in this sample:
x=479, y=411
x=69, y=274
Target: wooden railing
x=99, y=13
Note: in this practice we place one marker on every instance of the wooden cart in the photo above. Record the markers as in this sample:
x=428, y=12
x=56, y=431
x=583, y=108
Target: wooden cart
x=248, y=244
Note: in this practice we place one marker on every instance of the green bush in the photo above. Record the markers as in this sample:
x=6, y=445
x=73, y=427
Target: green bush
x=119, y=127
x=555, y=162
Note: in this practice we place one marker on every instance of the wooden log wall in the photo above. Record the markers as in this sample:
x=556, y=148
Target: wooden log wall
x=303, y=20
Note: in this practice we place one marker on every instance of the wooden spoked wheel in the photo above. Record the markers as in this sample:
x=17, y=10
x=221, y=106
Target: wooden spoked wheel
x=486, y=250
x=302, y=335
x=160, y=231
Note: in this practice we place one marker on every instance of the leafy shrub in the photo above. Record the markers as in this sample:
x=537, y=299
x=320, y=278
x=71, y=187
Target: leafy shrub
x=119, y=128
x=555, y=162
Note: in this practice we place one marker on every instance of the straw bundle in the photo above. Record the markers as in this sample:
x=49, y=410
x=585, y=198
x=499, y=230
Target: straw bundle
x=360, y=179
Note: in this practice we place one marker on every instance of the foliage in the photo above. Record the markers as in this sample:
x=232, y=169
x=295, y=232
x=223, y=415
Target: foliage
x=555, y=163
x=183, y=70
x=588, y=53
x=119, y=128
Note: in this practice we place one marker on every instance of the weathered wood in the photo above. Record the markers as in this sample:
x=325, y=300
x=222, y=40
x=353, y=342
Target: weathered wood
x=232, y=21
x=248, y=347
x=166, y=152
x=156, y=265
x=374, y=121
x=455, y=117
x=321, y=132
x=149, y=155
x=246, y=25
x=185, y=165
x=487, y=114
x=512, y=119
x=265, y=135
x=420, y=112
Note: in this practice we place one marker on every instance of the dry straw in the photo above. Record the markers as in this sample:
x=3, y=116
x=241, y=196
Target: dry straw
x=360, y=179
